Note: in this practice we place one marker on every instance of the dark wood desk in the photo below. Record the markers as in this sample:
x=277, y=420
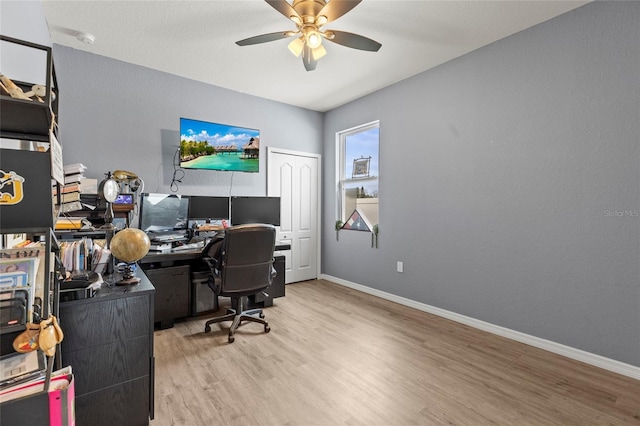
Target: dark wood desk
x=171, y=256
x=168, y=256
x=176, y=276
x=108, y=341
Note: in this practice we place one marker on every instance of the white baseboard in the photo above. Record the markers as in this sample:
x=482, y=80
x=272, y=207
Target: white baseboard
x=573, y=353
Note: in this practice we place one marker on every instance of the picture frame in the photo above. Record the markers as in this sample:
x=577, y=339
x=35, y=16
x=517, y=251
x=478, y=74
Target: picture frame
x=361, y=167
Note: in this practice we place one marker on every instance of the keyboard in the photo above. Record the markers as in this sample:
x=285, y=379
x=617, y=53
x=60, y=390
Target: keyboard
x=191, y=246
x=168, y=238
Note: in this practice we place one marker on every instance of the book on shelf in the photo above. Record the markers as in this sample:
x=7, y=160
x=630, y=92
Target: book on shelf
x=72, y=187
x=71, y=207
x=70, y=196
x=74, y=178
x=69, y=202
x=75, y=168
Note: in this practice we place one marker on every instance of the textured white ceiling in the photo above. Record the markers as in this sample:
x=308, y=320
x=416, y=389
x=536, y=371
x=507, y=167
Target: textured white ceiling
x=196, y=39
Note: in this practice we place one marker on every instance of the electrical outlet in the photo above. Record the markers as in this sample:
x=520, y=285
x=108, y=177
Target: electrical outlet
x=400, y=267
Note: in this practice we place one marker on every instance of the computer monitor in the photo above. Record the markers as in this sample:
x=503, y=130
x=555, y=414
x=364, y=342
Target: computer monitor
x=215, y=208
x=163, y=212
x=255, y=210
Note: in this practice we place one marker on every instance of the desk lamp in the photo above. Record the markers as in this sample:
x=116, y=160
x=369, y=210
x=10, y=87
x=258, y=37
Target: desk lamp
x=108, y=189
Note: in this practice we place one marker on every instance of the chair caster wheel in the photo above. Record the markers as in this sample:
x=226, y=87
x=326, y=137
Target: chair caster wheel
x=231, y=339
x=261, y=314
x=267, y=329
x=207, y=329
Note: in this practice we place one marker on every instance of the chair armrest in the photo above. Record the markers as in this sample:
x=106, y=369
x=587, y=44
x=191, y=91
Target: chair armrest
x=214, y=264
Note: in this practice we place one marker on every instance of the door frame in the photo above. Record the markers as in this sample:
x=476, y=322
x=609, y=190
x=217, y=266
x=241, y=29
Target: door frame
x=270, y=152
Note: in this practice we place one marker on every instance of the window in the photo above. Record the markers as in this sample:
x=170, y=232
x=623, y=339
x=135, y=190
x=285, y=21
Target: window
x=358, y=174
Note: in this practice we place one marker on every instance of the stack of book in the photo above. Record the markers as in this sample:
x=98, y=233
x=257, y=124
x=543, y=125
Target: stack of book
x=70, y=191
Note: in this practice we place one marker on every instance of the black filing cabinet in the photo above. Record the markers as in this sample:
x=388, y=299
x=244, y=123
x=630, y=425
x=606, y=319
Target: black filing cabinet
x=108, y=342
x=276, y=289
x=203, y=299
x=173, y=293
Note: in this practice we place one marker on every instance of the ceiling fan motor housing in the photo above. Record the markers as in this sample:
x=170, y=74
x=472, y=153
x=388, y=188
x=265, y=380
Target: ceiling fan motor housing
x=308, y=9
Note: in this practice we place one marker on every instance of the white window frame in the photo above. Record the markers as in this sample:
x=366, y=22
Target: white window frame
x=341, y=179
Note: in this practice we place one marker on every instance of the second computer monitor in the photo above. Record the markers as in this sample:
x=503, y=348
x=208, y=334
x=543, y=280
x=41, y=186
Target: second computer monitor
x=216, y=208
x=255, y=210
x=163, y=212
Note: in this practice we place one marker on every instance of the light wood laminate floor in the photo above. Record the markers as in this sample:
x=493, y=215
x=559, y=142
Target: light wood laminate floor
x=336, y=356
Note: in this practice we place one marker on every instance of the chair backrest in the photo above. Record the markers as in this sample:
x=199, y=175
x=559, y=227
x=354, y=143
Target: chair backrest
x=247, y=259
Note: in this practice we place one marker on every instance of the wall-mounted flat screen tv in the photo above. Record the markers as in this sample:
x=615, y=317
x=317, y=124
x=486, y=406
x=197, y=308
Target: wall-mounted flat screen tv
x=213, y=146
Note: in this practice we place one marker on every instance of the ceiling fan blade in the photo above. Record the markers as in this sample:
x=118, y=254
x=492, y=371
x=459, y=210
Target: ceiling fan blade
x=336, y=8
x=283, y=7
x=264, y=38
x=307, y=59
x=354, y=41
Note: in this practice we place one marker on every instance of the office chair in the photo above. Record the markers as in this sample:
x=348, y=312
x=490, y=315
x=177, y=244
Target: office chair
x=241, y=265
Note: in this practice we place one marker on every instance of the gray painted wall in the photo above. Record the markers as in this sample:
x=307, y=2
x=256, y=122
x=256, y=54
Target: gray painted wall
x=509, y=184
x=116, y=115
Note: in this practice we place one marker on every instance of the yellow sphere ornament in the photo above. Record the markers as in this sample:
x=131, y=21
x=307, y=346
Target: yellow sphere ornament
x=129, y=246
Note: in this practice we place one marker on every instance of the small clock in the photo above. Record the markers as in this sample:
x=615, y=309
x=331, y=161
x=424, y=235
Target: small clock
x=109, y=190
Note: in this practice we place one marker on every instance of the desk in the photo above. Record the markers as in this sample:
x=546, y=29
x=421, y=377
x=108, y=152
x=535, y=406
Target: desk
x=175, y=273
x=108, y=341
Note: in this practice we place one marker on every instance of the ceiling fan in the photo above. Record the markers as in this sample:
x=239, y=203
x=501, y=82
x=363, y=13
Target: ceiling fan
x=309, y=16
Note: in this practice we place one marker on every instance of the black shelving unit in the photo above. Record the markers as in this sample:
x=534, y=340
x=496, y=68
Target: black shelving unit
x=28, y=206
x=30, y=120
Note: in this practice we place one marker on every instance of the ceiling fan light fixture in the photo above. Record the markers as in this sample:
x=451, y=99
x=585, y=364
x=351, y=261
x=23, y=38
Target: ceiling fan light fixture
x=321, y=20
x=313, y=38
x=318, y=52
x=296, y=46
x=296, y=19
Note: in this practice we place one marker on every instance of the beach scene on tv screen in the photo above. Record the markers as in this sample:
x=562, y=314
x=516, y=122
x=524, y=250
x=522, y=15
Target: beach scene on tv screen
x=213, y=146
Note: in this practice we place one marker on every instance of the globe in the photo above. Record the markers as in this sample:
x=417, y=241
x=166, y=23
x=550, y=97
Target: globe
x=130, y=245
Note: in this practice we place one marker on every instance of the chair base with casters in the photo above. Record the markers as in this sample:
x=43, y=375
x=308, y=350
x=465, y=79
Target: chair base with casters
x=237, y=314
